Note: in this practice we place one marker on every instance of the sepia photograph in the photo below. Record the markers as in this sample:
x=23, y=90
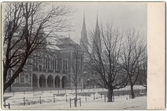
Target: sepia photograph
x=74, y=55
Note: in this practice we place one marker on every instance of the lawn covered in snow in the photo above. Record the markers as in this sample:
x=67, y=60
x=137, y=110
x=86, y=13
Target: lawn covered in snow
x=120, y=102
x=90, y=99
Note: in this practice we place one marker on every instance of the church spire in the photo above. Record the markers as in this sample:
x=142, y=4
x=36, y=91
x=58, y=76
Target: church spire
x=97, y=24
x=97, y=30
x=84, y=24
x=83, y=40
x=96, y=40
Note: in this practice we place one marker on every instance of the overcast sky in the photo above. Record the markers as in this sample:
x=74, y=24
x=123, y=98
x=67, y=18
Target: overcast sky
x=123, y=15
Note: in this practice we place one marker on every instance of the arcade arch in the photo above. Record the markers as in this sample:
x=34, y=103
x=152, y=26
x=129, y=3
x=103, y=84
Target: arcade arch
x=64, y=81
x=35, y=81
x=50, y=81
x=42, y=82
x=57, y=81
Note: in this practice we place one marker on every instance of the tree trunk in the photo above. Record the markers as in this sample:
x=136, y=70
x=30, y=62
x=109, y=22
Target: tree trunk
x=75, y=99
x=10, y=82
x=132, y=92
x=110, y=94
x=146, y=90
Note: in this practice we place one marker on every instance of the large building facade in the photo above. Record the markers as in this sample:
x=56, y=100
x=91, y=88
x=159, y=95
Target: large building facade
x=49, y=68
x=52, y=66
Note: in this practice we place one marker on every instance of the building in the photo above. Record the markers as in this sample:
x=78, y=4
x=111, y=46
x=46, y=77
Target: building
x=90, y=77
x=52, y=66
x=48, y=68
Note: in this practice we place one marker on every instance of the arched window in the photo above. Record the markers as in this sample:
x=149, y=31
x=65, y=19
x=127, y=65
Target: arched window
x=17, y=80
x=55, y=62
x=51, y=62
x=47, y=58
x=44, y=66
x=65, y=65
x=33, y=62
x=26, y=78
x=22, y=78
x=48, y=62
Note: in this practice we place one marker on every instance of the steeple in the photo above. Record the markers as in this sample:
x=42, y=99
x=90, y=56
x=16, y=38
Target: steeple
x=97, y=25
x=84, y=24
x=84, y=39
x=96, y=40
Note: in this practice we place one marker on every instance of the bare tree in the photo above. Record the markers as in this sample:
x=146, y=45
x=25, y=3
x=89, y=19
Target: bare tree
x=143, y=73
x=24, y=25
x=77, y=69
x=132, y=56
x=105, y=59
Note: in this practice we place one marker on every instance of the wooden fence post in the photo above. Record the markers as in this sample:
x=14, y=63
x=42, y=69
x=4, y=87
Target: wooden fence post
x=66, y=98
x=104, y=98
x=93, y=96
x=54, y=98
x=74, y=102
x=80, y=101
x=85, y=97
x=4, y=104
x=70, y=102
x=24, y=101
x=40, y=99
x=8, y=105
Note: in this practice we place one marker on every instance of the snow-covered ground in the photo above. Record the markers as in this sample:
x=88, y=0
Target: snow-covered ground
x=60, y=91
x=121, y=102
x=47, y=98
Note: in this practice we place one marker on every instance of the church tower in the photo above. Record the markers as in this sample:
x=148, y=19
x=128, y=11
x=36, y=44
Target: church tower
x=96, y=40
x=84, y=39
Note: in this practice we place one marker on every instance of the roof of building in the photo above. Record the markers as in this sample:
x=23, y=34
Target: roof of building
x=59, y=42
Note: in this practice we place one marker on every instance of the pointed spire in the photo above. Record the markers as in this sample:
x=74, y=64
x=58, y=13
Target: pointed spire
x=84, y=39
x=84, y=32
x=97, y=18
x=97, y=24
x=84, y=24
x=96, y=40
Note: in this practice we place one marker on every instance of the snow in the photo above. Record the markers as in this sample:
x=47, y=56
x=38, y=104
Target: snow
x=93, y=100
x=119, y=103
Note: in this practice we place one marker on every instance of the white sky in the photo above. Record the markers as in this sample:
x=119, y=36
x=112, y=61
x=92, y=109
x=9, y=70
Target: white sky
x=123, y=15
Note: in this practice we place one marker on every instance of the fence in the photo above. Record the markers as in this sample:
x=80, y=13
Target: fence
x=75, y=101
x=6, y=105
x=63, y=97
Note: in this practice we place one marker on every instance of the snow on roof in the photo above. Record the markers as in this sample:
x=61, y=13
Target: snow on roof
x=60, y=42
x=53, y=47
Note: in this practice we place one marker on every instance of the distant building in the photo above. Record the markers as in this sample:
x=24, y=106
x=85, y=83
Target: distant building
x=90, y=78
